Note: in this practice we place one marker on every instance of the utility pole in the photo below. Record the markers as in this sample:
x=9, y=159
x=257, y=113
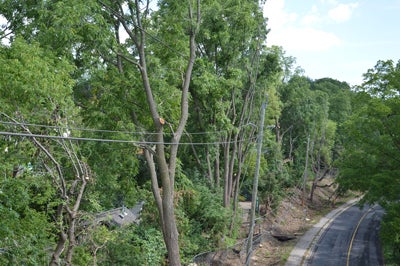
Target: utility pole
x=255, y=184
x=305, y=173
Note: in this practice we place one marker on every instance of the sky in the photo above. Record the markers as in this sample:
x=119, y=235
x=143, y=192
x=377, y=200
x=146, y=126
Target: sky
x=338, y=39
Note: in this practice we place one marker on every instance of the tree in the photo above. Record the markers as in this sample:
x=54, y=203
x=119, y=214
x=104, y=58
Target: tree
x=297, y=120
x=372, y=144
x=382, y=80
x=37, y=86
x=225, y=88
x=370, y=160
x=161, y=161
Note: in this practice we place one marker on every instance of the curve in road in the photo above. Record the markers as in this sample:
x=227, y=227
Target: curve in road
x=352, y=238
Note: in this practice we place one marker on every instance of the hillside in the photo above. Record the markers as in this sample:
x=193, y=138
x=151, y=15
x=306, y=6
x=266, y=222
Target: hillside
x=276, y=232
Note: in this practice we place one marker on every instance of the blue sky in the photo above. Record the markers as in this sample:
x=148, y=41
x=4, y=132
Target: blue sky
x=335, y=38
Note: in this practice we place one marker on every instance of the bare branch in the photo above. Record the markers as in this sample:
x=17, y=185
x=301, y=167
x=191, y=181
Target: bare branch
x=130, y=60
x=154, y=183
x=48, y=154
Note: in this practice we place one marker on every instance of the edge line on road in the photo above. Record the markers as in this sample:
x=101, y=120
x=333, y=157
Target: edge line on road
x=310, y=249
x=354, y=235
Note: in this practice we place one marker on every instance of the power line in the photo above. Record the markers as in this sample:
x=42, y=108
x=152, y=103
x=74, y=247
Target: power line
x=138, y=143
x=71, y=128
x=103, y=130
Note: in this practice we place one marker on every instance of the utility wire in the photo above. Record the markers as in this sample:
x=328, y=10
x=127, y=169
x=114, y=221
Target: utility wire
x=102, y=130
x=138, y=143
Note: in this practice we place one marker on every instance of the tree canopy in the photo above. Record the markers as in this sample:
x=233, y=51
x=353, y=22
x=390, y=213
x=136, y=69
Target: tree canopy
x=107, y=103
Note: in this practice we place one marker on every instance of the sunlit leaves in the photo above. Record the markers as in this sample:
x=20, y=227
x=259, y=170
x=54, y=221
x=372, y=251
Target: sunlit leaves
x=370, y=162
x=33, y=81
x=383, y=80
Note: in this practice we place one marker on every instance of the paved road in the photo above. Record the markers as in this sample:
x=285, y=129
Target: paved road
x=352, y=238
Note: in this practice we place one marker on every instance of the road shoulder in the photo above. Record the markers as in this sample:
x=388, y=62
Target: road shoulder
x=303, y=248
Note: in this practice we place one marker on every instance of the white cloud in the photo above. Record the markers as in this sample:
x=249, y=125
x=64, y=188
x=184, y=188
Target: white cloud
x=331, y=2
x=304, y=39
x=297, y=33
x=342, y=12
x=278, y=17
x=312, y=18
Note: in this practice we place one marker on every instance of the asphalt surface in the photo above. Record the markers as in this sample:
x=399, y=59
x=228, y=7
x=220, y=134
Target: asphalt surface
x=347, y=235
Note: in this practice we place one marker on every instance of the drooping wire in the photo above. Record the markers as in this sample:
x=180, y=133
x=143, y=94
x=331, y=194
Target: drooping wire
x=103, y=130
x=134, y=142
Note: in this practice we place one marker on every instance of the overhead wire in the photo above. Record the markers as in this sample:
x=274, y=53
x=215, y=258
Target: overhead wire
x=135, y=142
x=141, y=133
x=117, y=131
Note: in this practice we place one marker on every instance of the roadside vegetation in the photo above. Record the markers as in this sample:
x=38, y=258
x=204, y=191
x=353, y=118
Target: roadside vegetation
x=104, y=104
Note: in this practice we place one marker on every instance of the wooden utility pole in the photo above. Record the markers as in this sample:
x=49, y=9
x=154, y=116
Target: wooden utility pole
x=305, y=174
x=255, y=184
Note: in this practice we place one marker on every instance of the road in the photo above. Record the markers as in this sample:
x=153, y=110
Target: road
x=352, y=238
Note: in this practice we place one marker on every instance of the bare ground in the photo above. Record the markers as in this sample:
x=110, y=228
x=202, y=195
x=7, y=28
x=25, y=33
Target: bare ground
x=276, y=232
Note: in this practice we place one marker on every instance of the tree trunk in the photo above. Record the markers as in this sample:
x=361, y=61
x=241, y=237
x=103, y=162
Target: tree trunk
x=55, y=258
x=71, y=239
x=315, y=182
x=171, y=230
x=226, y=199
x=62, y=238
x=231, y=166
x=216, y=170
x=209, y=169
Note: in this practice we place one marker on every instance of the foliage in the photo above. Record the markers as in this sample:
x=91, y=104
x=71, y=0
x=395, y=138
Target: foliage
x=34, y=81
x=136, y=245
x=67, y=65
x=26, y=233
x=204, y=222
x=383, y=80
x=390, y=233
x=370, y=161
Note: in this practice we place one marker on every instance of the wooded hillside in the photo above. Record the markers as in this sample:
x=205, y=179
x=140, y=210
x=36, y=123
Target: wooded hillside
x=105, y=104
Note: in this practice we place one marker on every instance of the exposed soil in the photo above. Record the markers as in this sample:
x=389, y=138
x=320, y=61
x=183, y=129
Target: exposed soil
x=276, y=232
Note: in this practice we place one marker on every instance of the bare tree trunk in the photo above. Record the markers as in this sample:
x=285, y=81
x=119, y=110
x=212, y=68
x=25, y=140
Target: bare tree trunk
x=317, y=167
x=316, y=180
x=231, y=166
x=209, y=169
x=217, y=175
x=55, y=257
x=305, y=174
x=226, y=199
x=62, y=238
x=71, y=239
x=235, y=199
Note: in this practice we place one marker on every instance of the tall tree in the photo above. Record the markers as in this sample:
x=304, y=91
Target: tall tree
x=162, y=160
x=224, y=94
x=372, y=146
x=370, y=160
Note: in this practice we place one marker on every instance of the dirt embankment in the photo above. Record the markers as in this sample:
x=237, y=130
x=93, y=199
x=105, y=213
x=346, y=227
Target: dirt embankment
x=277, y=231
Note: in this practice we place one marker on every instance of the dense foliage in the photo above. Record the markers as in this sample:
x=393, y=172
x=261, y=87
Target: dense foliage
x=107, y=103
x=370, y=161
